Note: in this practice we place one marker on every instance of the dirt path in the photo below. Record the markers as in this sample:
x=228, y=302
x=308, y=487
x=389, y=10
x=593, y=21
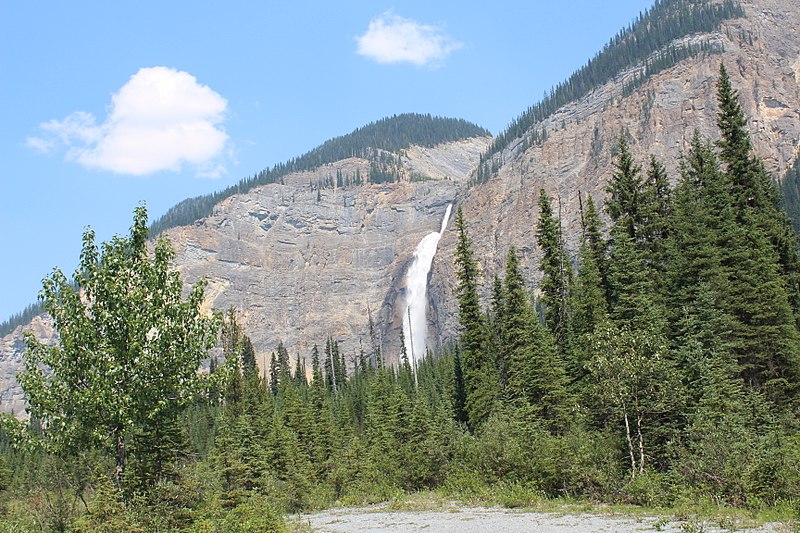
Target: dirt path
x=480, y=519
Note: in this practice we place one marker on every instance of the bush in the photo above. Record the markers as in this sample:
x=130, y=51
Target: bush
x=652, y=489
x=256, y=515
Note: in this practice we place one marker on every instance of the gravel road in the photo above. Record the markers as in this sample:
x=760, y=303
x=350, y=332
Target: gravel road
x=480, y=519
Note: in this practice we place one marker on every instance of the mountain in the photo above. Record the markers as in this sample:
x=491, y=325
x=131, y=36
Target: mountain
x=574, y=158
x=319, y=245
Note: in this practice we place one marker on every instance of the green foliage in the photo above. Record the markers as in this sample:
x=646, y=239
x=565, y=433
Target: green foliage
x=675, y=381
x=556, y=270
x=536, y=374
x=481, y=382
x=127, y=360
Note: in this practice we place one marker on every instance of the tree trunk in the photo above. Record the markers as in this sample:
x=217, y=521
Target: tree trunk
x=630, y=442
x=119, y=457
x=641, y=442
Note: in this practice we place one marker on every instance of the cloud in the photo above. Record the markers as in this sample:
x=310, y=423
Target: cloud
x=394, y=39
x=159, y=120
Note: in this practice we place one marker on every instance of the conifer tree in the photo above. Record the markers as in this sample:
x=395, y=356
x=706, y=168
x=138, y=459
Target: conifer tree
x=480, y=376
x=589, y=309
x=593, y=236
x=556, y=269
x=497, y=325
x=459, y=392
x=248, y=355
x=535, y=371
x=625, y=191
x=632, y=291
x=755, y=192
x=274, y=374
x=656, y=208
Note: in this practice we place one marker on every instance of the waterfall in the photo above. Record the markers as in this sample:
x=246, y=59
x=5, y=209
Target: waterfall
x=415, y=321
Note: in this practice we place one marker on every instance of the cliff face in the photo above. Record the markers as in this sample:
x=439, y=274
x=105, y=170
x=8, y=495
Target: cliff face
x=305, y=259
x=762, y=54
x=302, y=263
x=11, y=348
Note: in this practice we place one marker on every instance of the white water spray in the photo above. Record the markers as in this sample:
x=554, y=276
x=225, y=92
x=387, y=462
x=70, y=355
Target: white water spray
x=415, y=321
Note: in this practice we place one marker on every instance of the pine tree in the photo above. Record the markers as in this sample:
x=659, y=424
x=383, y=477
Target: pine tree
x=480, y=377
x=248, y=355
x=593, y=236
x=625, y=191
x=497, y=325
x=459, y=392
x=535, y=371
x=750, y=185
x=656, y=208
x=633, y=298
x=755, y=192
x=556, y=269
x=589, y=309
x=274, y=374
x=764, y=266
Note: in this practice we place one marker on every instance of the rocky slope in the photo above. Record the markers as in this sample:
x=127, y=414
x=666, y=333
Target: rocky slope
x=303, y=260
x=303, y=263
x=762, y=53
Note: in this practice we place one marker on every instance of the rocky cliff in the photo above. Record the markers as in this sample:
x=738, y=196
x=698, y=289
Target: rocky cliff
x=302, y=263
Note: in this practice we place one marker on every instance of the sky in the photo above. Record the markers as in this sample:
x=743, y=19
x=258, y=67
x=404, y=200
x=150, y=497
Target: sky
x=104, y=105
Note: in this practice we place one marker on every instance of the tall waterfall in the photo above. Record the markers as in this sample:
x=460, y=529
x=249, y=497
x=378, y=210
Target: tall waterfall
x=415, y=321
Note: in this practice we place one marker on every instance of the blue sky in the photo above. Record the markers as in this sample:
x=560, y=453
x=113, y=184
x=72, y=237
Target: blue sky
x=107, y=104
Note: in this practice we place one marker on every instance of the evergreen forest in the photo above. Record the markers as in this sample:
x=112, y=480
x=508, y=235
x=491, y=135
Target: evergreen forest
x=657, y=367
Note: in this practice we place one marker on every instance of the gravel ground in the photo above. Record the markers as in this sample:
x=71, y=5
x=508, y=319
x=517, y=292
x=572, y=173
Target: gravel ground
x=479, y=519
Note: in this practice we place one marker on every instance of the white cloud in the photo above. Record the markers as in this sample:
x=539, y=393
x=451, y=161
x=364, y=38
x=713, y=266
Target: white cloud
x=160, y=120
x=394, y=39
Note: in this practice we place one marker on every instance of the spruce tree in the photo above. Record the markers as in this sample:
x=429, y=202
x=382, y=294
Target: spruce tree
x=593, y=236
x=632, y=291
x=764, y=267
x=755, y=192
x=625, y=191
x=556, y=270
x=536, y=373
x=589, y=309
x=480, y=376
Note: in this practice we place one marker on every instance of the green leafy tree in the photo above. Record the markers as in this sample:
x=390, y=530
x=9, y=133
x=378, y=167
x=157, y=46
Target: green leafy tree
x=636, y=381
x=129, y=351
